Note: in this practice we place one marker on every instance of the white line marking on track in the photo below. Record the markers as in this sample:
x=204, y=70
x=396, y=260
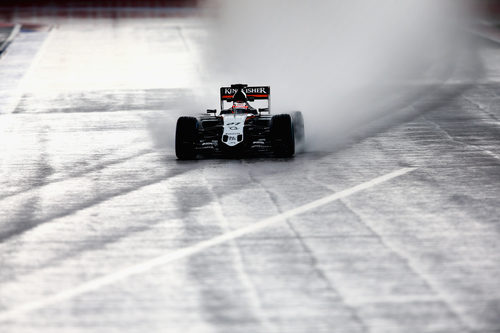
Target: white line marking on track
x=18, y=92
x=192, y=250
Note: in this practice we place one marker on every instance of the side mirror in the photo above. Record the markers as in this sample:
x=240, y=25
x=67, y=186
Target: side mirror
x=264, y=110
x=212, y=111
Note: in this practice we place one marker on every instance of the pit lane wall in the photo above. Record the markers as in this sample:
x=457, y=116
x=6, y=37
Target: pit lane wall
x=99, y=3
x=11, y=10
x=488, y=9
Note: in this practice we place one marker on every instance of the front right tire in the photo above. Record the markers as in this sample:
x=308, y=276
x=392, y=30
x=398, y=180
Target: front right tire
x=282, y=135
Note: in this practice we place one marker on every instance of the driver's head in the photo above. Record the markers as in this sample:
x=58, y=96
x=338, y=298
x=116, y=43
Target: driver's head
x=239, y=96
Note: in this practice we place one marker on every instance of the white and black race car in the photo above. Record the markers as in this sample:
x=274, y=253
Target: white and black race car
x=240, y=128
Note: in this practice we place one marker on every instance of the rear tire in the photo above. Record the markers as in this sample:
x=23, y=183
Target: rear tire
x=185, y=137
x=282, y=135
x=298, y=126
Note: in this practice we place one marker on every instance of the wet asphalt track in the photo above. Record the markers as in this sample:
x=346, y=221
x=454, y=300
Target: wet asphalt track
x=102, y=229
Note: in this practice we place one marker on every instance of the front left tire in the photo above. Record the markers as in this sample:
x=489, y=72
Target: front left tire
x=186, y=133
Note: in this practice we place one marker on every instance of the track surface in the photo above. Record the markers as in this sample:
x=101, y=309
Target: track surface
x=90, y=188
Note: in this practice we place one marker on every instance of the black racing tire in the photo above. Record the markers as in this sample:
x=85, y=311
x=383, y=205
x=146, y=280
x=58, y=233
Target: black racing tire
x=298, y=126
x=282, y=135
x=186, y=133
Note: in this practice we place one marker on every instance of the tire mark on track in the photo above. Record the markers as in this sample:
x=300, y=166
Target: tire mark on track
x=81, y=247
x=186, y=252
x=313, y=259
x=214, y=301
x=106, y=101
x=185, y=208
x=31, y=205
x=462, y=143
x=485, y=109
x=407, y=260
x=20, y=225
x=98, y=167
x=254, y=298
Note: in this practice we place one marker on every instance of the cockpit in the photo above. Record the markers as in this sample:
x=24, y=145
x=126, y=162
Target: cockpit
x=240, y=108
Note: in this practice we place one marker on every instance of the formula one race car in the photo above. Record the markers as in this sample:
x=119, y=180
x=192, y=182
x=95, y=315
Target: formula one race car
x=240, y=128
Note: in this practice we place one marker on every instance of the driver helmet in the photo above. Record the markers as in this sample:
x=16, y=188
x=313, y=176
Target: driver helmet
x=240, y=96
x=239, y=101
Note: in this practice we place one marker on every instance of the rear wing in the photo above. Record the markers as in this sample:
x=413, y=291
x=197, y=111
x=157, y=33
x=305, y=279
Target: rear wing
x=253, y=93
